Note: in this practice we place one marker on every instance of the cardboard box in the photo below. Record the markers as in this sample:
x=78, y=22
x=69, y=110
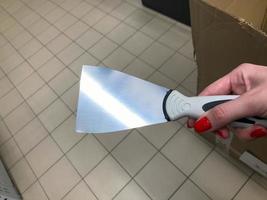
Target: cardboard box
x=225, y=34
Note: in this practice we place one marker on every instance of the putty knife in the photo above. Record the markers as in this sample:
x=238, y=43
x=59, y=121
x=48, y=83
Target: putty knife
x=111, y=101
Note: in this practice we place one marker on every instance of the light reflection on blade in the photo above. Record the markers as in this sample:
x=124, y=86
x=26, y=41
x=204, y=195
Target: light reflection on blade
x=109, y=103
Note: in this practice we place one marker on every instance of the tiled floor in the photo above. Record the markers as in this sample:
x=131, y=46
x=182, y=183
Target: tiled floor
x=43, y=44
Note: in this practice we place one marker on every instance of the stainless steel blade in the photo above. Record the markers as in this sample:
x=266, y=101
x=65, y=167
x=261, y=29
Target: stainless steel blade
x=112, y=101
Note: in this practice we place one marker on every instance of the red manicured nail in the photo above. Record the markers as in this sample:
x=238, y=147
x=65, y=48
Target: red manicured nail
x=188, y=125
x=258, y=133
x=202, y=125
x=221, y=134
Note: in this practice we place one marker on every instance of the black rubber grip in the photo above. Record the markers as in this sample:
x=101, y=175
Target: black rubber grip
x=164, y=105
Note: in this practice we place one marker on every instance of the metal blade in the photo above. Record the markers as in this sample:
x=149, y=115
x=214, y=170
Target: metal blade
x=112, y=101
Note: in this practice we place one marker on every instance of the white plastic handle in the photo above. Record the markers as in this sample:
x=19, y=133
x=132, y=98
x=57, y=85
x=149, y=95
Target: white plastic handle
x=178, y=105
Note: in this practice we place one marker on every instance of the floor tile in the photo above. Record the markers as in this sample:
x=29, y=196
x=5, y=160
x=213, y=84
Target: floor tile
x=55, y=14
x=11, y=62
x=119, y=59
x=178, y=147
x=65, y=135
x=65, y=21
x=10, y=153
x=4, y=133
x=38, y=27
x=54, y=115
x=69, y=4
x=59, y=83
x=133, y=152
x=84, y=59
x=51, y=68
x=106, y=24
x=45, y=8
x=43, y=156
x=107, y=178
x=30, y=85
x=30, y=135
x=215, y=168
x=29, y=19
x=34, y=192
x=48, y=35
x=121, y=33
x=13, y=31
x=20, y=73
x=70, y=53
x=18, y=118
x=123, y=10
x=111, y=140
x=9, y=102
x=94, y=2
x=156, y=27
x=3, y=41
x=138, y=18
x=132, y=191
x=103, y=48
x=109, y=5
x=190, y=82
x=22, y=174
x=178, y=68
x=81, y=9
x=6, y=51
x=262, y=181
x=59, y=179
x=137, y=43
x=41, y=99
x=162, y=80
x=7, y=23
x=139, y=69
x=93, y=16
x=89, y=38
x=159, y=134
x=156, y=54
x=21, y=39
x=41, y=57
x=251, y=191
x=189, y=191
x=70, y=97
x=93, y=150
x=174, y=39
x=59, y=43
x=188, y=50
x=160, y=178
x=75, y=30
x=30, y=48
x=5, y=86
x=80, y=192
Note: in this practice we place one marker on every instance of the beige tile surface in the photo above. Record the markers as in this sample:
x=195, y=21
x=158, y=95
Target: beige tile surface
x=86, y=154
x=43, y=156
x=219, y=178
x=107, y=179
x=133, y=152
x=160, y=178
x=43, y=46
x=59, y=179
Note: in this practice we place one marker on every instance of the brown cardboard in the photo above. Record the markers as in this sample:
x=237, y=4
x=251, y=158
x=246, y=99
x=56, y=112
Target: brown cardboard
x=225, y=34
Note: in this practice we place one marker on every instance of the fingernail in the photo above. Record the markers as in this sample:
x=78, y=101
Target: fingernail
x=188, y=125
x=258, y=133
x=202, y=125
x=221, y=134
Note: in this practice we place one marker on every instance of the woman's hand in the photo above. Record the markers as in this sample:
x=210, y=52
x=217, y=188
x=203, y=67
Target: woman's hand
x=250, y=82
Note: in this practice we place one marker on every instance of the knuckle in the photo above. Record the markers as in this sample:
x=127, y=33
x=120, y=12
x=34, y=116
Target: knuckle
x=218, y=113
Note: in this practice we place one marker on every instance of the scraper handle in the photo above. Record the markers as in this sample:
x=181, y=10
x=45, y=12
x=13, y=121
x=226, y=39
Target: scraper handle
x=176, y=105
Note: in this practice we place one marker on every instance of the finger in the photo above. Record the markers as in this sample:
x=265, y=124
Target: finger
x=219, y=87
x=223, y=114
x=252, y=132
x=223, y=133
x=190, y=123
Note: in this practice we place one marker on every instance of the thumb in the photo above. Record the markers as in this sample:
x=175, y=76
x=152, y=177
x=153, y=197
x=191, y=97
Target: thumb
x=223, y=114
